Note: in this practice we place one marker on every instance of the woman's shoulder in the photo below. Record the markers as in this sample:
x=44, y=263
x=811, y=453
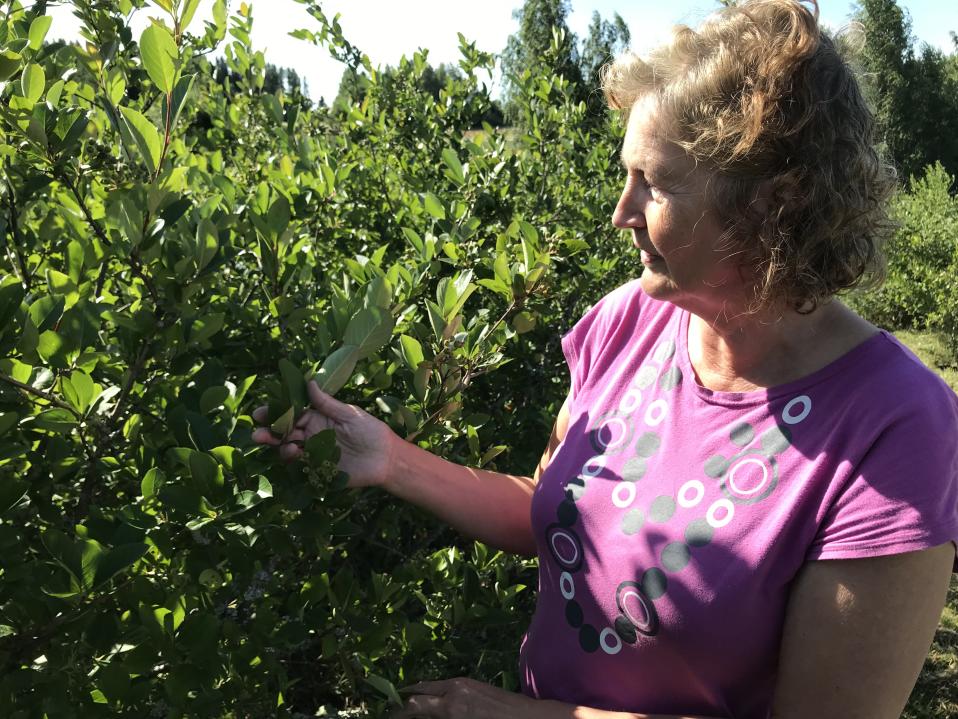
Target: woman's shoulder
x=627, y=302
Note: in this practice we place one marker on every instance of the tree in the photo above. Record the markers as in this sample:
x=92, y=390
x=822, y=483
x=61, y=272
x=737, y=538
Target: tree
x=914, y=95
x=526, y=49
x=604, y=42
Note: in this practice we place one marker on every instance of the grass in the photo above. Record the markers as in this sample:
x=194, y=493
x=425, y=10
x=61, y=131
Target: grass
x=936, y=694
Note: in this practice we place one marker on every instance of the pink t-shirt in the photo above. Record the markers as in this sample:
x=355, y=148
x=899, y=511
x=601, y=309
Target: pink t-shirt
x=672, y=518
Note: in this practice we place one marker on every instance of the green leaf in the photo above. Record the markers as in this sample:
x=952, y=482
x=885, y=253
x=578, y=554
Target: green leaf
x=151, y=483
x=116, y=87
x=180, y=94
x=189, y=10
x=337, y=369
x=38, y=31
x=145, y=135
x=64, y=550
x=75, y=132
x=436, y=319
x=411, y=351
x=206, y=245
x=52, y=349
x=284, y=423
x=79, y=390
x=206, y=327
x=8, y=420
x=12, y=490
x=107, y=565
x=451, y=159
x=213, y=398
x=523, y=322
x=54, y=92
x=56, y=420
x=369, y=329
x=9, y=64
x=414, y=239
x=434, y=206
x=207, y=474
x=33, y=81
x=321, y=447
x=11, y=297
x=277, y=219
x=160, y=55
x=385, y=687
x=295, y=385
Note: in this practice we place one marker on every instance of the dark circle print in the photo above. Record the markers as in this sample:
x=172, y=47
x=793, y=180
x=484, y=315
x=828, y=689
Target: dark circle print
x=575, y=488
x=699, y=533
x=634, y=469
x=625, y=630
x=654, y=583
x=647, y=444
x=751, y=477
x=676, y=556
x=670, y=379
x=567, y=513
x=589, y=638
x=636, y=608
x=715, y=466
x=776, y=440
x=611, y=433
x=742, y=434
x=574, y=614
x=565, y=547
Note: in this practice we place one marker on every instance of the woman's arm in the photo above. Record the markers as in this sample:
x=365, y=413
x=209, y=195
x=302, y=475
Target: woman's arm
x=489, y=506
x=857, y=632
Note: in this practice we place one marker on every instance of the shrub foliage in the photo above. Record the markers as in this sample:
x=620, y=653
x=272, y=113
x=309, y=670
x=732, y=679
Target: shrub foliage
x=182, y=245
x=178, y=251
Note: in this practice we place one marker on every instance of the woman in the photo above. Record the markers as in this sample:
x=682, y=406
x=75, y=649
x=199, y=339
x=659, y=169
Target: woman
x=749, y=503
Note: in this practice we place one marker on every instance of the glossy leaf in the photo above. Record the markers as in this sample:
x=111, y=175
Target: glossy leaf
x=160, y=55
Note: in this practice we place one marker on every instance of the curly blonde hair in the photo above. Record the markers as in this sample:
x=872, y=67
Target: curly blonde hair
x=760, y=95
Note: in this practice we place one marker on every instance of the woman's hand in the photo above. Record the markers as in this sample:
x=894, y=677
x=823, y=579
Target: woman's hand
x=465, y=698
x=366, y=444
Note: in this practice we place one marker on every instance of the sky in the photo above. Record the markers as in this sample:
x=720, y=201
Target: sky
x=385, y=30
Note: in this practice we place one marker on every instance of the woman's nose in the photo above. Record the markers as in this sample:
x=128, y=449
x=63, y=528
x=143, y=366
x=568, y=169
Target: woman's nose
x=630, y=211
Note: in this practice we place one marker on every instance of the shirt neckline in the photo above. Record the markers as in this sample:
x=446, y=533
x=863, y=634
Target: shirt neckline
x=850, y=359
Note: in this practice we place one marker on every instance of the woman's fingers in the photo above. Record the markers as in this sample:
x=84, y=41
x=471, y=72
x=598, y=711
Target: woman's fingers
x=261, y=415
x=264, y=436
x=420, y=706
x=288, y=452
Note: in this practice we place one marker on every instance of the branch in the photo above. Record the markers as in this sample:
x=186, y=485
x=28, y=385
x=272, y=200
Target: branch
x=135, y=266
x=40, y=393
x=17, y=243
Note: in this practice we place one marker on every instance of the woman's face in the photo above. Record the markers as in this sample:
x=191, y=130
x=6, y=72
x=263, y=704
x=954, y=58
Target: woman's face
x=679, y=234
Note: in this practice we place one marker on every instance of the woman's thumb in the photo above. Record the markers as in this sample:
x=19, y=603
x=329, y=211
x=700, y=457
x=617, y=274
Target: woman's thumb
x=326, y=404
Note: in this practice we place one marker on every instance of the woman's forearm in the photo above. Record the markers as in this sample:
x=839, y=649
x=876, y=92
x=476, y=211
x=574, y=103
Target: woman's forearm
x=489, y=506
x=560, y=710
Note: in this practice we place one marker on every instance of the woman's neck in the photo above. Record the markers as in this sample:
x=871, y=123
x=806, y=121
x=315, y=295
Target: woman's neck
x=742, y=353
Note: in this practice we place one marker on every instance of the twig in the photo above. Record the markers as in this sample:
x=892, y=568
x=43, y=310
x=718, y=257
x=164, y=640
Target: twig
x=39, y=393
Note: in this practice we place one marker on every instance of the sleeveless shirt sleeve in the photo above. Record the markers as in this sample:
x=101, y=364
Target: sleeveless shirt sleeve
x=903, y=495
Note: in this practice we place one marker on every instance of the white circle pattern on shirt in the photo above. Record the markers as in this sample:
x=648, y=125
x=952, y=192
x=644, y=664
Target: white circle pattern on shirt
x=749, y=476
